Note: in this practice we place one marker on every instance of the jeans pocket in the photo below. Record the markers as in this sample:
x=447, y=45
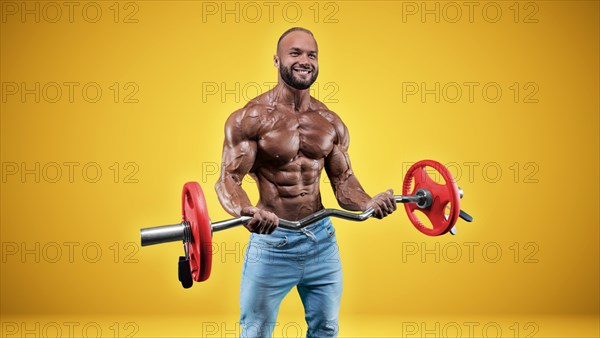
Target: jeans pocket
x=270, y=240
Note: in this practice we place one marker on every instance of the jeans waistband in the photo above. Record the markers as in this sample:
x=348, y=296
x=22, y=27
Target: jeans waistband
x=310, y=227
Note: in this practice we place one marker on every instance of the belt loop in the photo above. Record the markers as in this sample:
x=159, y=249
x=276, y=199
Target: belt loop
x=309, y=233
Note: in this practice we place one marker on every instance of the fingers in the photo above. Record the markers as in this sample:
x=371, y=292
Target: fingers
x=272, y=222
x=263, y=222
x=381, y=202
x=271, y=228
x=384, y=204
x=250, y=225
x=390, y=201
x=383, y=207
x=378, y=212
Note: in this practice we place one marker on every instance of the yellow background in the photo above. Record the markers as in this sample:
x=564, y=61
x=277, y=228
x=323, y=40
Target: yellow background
x=175, y=53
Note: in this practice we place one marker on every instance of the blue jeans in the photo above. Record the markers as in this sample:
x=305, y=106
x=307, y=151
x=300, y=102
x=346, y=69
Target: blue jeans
x=307, y=259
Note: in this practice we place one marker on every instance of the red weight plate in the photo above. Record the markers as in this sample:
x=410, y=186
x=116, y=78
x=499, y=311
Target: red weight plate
x=442, y=195
x=194, y=211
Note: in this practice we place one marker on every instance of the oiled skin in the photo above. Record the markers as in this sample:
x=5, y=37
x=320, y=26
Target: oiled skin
x=284, y=139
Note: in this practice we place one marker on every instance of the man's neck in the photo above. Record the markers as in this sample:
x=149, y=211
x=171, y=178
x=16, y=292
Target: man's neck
x=297, y=99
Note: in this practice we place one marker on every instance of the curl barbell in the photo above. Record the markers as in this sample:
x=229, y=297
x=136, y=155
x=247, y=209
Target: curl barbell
x=419, y=193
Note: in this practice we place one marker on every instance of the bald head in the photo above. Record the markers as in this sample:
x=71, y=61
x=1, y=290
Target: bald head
x=294, y=29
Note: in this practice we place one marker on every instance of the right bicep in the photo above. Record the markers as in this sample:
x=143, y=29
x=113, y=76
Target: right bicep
x=238, y=159
x=239, y=149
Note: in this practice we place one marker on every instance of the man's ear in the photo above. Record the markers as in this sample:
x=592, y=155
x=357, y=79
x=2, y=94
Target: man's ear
x=276, y=61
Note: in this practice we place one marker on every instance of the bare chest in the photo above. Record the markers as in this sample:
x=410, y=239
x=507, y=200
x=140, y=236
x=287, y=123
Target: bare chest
x=285, y=135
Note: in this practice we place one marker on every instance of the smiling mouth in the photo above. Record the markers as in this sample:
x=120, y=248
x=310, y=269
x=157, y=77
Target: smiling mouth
x=302, y=71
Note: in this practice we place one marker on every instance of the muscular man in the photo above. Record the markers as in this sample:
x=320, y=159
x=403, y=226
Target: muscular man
x=283, y=139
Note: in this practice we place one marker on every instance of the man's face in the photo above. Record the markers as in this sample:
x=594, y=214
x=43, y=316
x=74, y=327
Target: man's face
x=297, y=60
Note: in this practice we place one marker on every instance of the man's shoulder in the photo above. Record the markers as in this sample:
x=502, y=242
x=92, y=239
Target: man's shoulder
x=326, y=113
x=333, y=118
x=246, y=120
x=254, y=108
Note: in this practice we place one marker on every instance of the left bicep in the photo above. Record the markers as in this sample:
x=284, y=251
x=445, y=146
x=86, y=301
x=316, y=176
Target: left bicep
x=337, y=162
x=347, y=189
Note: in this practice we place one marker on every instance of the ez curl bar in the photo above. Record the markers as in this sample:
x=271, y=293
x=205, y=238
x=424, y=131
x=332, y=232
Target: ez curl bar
x=196, y=229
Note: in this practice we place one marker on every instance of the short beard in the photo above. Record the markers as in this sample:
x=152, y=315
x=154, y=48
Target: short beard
x=288, y=77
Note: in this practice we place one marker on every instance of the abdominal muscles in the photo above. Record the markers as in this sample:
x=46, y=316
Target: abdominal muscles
x=290, y=190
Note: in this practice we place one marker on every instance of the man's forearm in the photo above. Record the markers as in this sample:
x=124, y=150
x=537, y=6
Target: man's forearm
x=350, y=194
x=231, y=195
